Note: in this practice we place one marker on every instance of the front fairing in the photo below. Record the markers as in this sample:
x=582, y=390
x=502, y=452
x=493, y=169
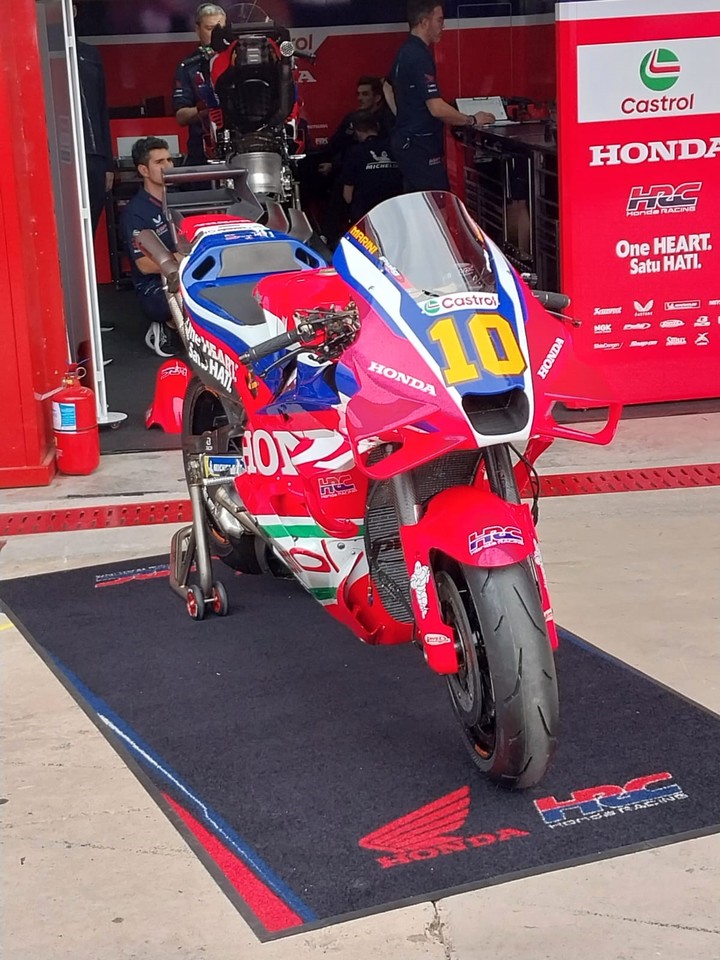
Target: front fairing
x=442, y=345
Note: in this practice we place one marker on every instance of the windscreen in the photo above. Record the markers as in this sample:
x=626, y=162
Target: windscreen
x=429, y=239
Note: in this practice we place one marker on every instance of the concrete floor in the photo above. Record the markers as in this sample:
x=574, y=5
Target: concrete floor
x=93, y=869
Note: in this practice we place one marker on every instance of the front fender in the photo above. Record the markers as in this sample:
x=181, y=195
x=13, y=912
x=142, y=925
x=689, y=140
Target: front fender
x=474, y=527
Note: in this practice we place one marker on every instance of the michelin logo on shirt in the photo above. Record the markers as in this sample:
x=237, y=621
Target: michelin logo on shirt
x=382, y=162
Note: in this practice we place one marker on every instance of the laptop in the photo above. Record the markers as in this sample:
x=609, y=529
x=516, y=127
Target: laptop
x=492, y=105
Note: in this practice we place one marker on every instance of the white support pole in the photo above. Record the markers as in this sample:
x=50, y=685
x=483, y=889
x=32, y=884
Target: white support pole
x=104, y=416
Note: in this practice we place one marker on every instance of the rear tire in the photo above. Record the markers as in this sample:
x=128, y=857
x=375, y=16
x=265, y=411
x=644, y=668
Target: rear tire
x=505, y=694
x=203, y=411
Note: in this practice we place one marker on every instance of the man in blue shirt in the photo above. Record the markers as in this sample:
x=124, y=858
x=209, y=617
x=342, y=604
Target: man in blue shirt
x=192, y=81
x=145, y=212
x=418, y=138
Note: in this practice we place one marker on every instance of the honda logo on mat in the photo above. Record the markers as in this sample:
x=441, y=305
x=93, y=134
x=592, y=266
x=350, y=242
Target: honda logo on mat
x=430, y=832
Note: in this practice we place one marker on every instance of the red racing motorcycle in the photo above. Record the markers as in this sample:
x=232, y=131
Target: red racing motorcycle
x=367, y=428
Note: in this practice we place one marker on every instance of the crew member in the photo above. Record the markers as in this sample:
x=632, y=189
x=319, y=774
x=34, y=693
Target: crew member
x=418, y=137
x=369, y=175
x=370, y=98
x=192, y=82
x=145, y=212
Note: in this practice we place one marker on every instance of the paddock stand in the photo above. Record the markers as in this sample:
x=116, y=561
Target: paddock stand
x=190, y=552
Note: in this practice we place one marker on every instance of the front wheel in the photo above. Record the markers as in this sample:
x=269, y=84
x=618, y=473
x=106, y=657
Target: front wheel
x=505, y=693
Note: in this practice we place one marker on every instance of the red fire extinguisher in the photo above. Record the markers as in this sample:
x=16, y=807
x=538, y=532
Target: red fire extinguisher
x=75, y=426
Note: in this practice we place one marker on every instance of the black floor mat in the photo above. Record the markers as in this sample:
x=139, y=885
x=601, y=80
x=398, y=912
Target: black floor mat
x=130, y=378
x=289, y=750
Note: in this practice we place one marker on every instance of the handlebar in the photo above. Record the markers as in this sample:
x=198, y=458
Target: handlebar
x=271, y=346
x=152, y=245
x=553, y=301
x=339, y=327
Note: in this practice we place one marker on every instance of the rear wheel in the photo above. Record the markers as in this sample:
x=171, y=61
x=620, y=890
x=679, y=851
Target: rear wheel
x=203, y=412
x=505, y=693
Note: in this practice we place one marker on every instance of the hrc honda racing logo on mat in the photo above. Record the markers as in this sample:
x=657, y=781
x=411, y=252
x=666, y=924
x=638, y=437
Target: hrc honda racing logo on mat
x=432, y=831
x=609, y=800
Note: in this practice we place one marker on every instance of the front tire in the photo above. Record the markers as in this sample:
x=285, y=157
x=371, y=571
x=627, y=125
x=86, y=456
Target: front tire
x=505, y=693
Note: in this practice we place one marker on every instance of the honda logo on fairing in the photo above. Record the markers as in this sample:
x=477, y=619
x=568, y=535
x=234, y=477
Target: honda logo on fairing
x=403, y=378
x=549, y=361
x=655, y=151
x=429, y=832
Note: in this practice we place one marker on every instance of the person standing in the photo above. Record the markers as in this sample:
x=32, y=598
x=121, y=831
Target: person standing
x=96, y=129
x=192, y=79
x=418, y=138
x=146, y=212
x=99, y=162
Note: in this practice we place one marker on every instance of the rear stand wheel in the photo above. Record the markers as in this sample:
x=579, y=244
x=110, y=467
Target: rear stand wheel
x=219, y=600
x=195, y=603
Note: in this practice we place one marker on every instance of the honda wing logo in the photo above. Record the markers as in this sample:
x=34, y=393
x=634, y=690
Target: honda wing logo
x=430, y=832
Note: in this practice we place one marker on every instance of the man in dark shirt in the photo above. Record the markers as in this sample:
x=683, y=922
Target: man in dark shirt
x=145, y=212
x=327, y=188
x=192, y=83
x=418, y=138
x=369, y=175
x=370, y=98
x=96, y=129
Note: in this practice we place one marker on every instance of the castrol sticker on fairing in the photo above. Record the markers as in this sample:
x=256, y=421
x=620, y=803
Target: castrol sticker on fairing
x=468, y=300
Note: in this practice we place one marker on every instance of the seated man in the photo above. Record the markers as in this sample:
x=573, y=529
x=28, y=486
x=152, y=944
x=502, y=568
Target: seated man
x=145, y=212
x=369, y=175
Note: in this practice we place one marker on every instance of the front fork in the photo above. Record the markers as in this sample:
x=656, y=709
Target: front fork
x=437, y=638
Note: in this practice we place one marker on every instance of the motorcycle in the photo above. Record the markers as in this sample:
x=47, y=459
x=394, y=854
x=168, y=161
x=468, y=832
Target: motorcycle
x=366, y=428
x=255, y=106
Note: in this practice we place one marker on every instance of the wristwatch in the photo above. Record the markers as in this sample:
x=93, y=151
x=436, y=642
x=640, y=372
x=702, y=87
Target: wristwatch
x=471, y=121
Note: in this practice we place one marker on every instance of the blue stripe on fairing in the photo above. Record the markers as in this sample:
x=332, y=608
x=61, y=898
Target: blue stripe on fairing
x=210, y=818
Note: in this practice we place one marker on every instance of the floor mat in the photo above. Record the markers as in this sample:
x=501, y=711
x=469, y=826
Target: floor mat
x=322, y=779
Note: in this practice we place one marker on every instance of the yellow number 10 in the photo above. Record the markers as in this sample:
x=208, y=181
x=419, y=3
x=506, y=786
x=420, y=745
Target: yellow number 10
x=494, y=340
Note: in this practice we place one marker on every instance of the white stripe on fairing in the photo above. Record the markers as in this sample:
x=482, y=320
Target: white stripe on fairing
x=388, y=296
x=611, y=9
x=251, y=334
x=465, y=23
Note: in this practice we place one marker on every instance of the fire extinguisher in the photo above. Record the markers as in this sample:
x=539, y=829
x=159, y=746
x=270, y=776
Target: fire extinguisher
x=75, y=426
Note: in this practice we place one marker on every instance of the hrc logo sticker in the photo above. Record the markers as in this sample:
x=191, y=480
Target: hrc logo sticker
x=494, y=537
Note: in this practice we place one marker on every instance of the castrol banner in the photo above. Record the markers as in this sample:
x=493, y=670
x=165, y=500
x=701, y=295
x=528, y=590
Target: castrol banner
x=639, y=173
